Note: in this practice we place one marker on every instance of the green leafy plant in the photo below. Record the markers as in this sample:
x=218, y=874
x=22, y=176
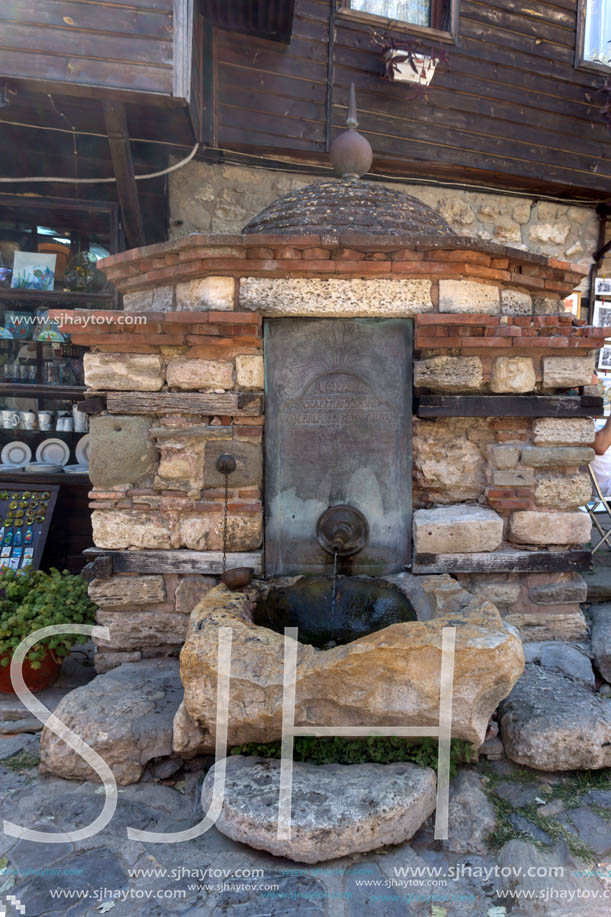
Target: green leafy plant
x=32, y=599
x=375, y=750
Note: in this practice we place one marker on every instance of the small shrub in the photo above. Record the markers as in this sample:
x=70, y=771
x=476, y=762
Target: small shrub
x=32, y=599
x=375, y=750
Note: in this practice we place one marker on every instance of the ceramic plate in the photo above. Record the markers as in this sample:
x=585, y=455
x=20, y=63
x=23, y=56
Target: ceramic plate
x=45, y=467
x=53, y=452
x=6, y=468
x=16, y=454
x=76, y=469
x=82, y=450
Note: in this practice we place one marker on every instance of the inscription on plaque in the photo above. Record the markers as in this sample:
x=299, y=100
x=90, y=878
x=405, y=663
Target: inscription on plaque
x=338, y=430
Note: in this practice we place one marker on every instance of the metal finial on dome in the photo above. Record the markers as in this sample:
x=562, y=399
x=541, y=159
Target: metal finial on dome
x=351, y=153
x=352, y=120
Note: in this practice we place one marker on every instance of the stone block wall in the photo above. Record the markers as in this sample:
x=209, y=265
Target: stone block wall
x=182, y=373
x=206, y=198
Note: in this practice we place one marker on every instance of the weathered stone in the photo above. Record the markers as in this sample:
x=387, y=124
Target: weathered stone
x=205, y=532
x=553, y=723
x=123, y=372
x=547, y=305
x=205, y=293
x=513, y=375
x=120, y=450
x=160, y=299
x=143, y=628
x=571, y=587
x=525, y=877
x=555, y=232
x=563, y=658
x=470, y=816
x=189, y=739
x=518, y=477
x=341, y=686
x=196, y=375
x=449, y=374
x=249, y=464
x=448, y=467
x=458, y=529
x=569, y=431
x=181, y=464
x=191, y=590
x=538, y=527
x=127, y=590
x=125, y=716
x=501, y=592
x=313, y=296
x=592, y=829
x=568, y=490
x=503, y=457
x=336, y=809
x=468, y=296
x=601, y=639
x=539, y=456
x=249, y=371
x=104, y=662
x=570, y=625
x=514, y=302
x=122, y=529
x=567, y=372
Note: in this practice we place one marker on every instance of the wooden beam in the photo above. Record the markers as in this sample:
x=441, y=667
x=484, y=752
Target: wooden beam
x=507, y=406
x=176, y=561
x=229, y=404
x=504, y=562
x=182, y=49
x=115, y=120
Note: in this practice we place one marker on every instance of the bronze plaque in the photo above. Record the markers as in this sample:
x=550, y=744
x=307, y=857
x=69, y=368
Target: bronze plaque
x=337, y=431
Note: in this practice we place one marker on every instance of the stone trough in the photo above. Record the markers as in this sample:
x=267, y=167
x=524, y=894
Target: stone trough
x=383, y=678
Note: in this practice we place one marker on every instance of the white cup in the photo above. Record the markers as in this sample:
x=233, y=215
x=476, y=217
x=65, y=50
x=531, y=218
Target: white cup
x=10, y=420
x=45, y=420
x=81, y=424
x=27, y=420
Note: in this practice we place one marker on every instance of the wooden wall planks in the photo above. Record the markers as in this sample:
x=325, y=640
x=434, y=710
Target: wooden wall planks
x=511, y=110
x=117, y=46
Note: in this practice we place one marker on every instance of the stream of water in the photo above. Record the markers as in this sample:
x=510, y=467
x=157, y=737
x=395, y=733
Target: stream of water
x=334, y=598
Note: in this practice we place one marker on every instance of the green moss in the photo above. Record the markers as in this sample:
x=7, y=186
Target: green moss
x=375, y=749
x=21, y=761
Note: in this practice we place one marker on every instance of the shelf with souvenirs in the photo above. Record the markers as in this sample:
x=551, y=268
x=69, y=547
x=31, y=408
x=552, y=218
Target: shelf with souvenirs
x=49, y=249
x=602, y=318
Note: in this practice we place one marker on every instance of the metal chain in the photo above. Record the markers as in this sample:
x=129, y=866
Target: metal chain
x=225, y=523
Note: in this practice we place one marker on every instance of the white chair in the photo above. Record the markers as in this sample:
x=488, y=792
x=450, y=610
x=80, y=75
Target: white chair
x=599, y=506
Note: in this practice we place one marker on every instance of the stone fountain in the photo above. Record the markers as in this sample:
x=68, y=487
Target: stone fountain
x=371, y=519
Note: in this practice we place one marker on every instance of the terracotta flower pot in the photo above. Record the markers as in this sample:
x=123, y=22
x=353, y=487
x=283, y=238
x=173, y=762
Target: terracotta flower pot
x=35, y=679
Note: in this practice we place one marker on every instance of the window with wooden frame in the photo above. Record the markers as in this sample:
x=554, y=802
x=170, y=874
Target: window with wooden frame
x=440, y=16
x=594, y=34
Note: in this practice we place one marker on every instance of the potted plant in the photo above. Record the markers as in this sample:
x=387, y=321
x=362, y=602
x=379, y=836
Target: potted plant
x=31, y=599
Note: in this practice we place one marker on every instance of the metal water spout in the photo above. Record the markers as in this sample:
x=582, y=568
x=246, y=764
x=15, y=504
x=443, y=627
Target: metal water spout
x=342, y=530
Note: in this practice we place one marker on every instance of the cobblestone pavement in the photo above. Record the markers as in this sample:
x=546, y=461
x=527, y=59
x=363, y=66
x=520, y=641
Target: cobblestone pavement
x=566, y=815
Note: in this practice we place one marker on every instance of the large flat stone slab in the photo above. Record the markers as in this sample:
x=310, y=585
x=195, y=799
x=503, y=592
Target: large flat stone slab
x=553, y=723
x=460, y=529
x=337, y=809
x=125, y=715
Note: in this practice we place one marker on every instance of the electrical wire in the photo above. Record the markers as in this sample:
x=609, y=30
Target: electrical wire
x=98, y=181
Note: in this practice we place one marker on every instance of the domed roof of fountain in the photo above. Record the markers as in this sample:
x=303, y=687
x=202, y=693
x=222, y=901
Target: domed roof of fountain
x=348, y=204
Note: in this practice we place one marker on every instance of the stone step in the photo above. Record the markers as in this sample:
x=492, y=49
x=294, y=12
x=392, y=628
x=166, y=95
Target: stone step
x=336, y=809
